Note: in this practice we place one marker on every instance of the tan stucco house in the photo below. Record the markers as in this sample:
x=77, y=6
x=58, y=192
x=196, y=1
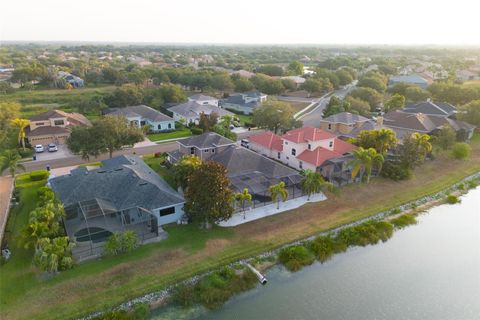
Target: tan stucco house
x=53, y=126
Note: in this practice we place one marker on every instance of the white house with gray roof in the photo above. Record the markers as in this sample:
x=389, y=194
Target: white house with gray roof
x=203, y=99
x=190, y=111
x=142, y=115
x=244, y=102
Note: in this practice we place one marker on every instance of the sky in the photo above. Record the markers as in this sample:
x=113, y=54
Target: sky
x=399, y=22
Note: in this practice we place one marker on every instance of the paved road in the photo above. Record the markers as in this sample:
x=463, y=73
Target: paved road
x=312, y=119
x=76, y=160
x=6, y=185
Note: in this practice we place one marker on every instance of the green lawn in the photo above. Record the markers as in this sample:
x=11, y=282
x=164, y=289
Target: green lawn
x=244, y=118
x=162, y=171
x=170, y=135
x=189, y=250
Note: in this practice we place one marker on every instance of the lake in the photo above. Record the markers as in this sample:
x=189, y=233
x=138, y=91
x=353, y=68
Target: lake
x=427, y=271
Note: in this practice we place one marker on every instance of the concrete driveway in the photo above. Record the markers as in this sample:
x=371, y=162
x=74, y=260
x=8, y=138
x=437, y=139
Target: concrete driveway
x=62, y=152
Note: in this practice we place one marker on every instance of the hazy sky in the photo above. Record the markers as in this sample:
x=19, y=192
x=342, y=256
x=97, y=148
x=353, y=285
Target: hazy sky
x=454, y=22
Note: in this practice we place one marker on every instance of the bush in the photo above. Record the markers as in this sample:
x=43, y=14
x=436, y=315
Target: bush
x=366, y=233
x=404, y=220
x=121, y=242
x=452, y=199
x=196, y=131
x=183, y=295
x=461, y=150
x=296, y=257
x=324, y=247
x=39, y=175
x=472, y=184
x=45, y=194
x=27, y=153
x=395, y=171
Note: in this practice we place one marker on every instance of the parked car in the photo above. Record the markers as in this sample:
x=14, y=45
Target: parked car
x=244, y=143
x=52, y=147
x=39, y=148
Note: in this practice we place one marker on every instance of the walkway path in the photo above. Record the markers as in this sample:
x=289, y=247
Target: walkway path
x=6, y=188
x=270, y=210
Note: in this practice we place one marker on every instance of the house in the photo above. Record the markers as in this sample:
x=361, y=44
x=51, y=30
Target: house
x=202, y=99
x=466, y=75
x=190, y=111
x=296, y=79
x=441, y=109
x=245, y=168
x=123, y=194
x=243, y=102
x=142, y=115
x=404, y=123
x=53, y=126
x=303, y=148
x=75, y=81
x=348, y=125
x=411, y=79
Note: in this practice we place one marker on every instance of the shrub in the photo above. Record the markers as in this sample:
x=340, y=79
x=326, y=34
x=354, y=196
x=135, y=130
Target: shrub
x=121, y=242
x=324, y=247
x=472, y=184
x=366, y=233
x=141, y=311
x=39, y=175
x=461, y=151
x=404, y=220
x=296, y=257
x=27, y=153
x=395, y=171
x=452, y=199
x=45, y=194
x=196, y=131
x=183, y=295
x=461, y=186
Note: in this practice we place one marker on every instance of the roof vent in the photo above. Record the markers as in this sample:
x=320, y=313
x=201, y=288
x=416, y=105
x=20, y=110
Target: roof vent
x=142, y=183
x=118, y=169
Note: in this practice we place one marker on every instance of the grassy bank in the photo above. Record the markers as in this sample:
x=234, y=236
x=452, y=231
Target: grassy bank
x=170, y=135
x=108, y=282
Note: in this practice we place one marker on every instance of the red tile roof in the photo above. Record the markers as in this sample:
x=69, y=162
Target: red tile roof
x=318, y=156
x=302, y=135
x=268, y=140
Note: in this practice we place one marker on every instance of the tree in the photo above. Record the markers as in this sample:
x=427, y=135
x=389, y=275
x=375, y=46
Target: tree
x=289, y=84
x=121, y=242
x=324, y=74
x=313, y=182
x=242, y=84
x=271, y=70
x=461, y=150
x=358, y=106
x=126, y=95
x=8, y=112
x=243, y=198
x=364, y=161
x=275, y=115
x=414, y=149
x=183, y=169
x=381, y=140
x=336, y=105
x=44, y=222
x=470, y=113
x=344, y=76
x=446, y=137
x=108, y=134
x=373, y=97
x=21, y=125
x=54, y=254
x=312, y=86
x=422, y=142
x=222, y=82
x=373, y=82
x=267, y=84
x=10, y=159
x=295, y=68
x=277, y=192
x=416, y=94
x=208, y=196
x=395, y=102
x=207, y=121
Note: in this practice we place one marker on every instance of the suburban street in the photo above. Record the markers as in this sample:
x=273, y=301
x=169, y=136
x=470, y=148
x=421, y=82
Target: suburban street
x=312, y=118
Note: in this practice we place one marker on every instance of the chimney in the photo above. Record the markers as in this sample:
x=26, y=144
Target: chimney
x=379, y=121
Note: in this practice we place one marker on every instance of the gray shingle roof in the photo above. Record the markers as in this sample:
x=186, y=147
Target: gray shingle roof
x=123, y=181
x=240, y=101
x=201, y=97
x=431, y=108
x=192, y=109
x=143, y=111
x=345, y=117
x=206, y=140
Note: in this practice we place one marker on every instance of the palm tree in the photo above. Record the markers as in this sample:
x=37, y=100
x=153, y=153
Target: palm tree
x=385, y=139
x=313, y=182
x=10, y=160
x=22, y=124
x=243, y=198
x=278, y=191
x=422, y=141
x=364, y=160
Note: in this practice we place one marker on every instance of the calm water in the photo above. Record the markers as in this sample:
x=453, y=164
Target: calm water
x=427, y=271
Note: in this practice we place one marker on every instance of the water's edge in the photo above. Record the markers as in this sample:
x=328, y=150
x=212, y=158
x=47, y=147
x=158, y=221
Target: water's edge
x=158, y=298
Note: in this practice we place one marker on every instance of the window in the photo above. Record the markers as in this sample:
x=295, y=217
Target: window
x=213, y=150
x=294, y=152
x=159, y=127
x=39, y=124
x=58, y=122
x=286, y=142
x=300, y=164
x=192, y=150
x=206, y=150
x=329, y=126
x=278, y=155
x=330, y=144
x=167, y=211
x=169, y=126
x=309, y=146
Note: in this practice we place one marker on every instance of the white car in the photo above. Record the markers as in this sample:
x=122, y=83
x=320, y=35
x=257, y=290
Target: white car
x=39, y=148
x=52, y=147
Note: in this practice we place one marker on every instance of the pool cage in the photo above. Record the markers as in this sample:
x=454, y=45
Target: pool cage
x=90, y=223
x=258, y=185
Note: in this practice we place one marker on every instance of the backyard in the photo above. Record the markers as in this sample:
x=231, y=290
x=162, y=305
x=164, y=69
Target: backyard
x=104, y=283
